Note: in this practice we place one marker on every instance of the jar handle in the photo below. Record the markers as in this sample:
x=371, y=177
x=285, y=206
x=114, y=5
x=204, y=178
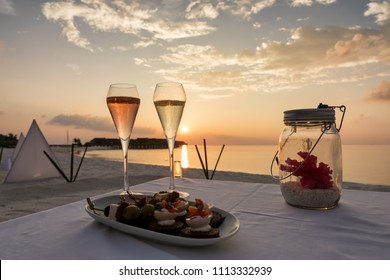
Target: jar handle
x=342, y=108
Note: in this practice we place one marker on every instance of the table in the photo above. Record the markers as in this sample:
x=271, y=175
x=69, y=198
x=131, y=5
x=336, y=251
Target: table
x=359, y=228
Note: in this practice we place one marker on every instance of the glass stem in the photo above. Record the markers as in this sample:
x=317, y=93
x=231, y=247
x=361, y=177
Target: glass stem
x=171, y=147
x=125, y=148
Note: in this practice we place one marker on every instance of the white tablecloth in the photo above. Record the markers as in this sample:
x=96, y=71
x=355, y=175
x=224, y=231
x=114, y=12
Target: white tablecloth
x=270, y=229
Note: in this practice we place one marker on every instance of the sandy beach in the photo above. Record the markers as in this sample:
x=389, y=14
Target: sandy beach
x=97, y=176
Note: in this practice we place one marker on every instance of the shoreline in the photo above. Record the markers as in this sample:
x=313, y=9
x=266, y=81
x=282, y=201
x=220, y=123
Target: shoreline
x=99, y=176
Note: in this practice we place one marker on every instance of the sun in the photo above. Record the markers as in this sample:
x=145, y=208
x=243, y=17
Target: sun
x=184, y=129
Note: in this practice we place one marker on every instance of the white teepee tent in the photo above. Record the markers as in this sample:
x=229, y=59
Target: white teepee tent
x=30, y=163
x=17, y=148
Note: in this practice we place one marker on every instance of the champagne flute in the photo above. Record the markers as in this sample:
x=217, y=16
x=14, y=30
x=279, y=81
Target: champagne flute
x=123, y=102
x=169, y=99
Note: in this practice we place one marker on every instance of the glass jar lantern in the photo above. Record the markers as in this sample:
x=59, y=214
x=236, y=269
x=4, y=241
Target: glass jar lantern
x=310, y=158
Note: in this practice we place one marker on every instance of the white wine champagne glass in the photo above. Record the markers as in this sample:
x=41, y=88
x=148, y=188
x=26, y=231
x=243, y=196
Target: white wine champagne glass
x=123, y=102
x=169, y=99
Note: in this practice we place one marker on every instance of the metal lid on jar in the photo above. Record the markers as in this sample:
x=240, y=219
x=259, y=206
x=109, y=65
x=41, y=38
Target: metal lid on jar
x=315, y=115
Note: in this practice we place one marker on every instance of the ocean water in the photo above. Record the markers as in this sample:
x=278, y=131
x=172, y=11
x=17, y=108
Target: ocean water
x=367, y=164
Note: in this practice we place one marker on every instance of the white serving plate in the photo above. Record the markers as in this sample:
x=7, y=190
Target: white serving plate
x=229, y=227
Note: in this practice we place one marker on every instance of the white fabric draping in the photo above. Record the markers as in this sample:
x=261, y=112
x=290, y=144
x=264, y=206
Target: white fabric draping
x=359, y=228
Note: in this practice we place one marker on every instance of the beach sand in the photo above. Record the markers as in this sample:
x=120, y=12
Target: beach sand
x=99, y=176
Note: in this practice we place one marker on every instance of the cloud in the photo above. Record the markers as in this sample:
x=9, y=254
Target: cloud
x=7, y=7
x=310, y=56
x=222, y=71
x=303, y=19
x=147, y=20
x=321, y=53
x=210, y=9
x=380, y=92
x=140, y=61
x=84, y=122
x=64, y=12
x=197, y=9
x=246, y=8
x=169, y=30
x=326, y=2
x=380, y=10
x=298, y=3
x=73, y=36
x=256, y=25
x=93, y=123
x=138, y=45
x=121, y=48
x=118, y=16
x=214, y=96
x=144, y=44
x=150, y=21
x=75, y=68
x=338, y=46
x=365, y=47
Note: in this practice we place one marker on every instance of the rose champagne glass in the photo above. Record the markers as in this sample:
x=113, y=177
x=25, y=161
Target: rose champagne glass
x=123, y=102
x=169, y=99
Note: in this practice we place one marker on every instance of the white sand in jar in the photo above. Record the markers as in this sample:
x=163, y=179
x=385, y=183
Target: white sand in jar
x=295, y=195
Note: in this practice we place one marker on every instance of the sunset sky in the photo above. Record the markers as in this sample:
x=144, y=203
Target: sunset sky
x=242, y=63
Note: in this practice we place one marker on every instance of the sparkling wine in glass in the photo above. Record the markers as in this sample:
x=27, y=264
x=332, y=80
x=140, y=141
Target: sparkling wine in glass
x=123, y=102
x=169, y=99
